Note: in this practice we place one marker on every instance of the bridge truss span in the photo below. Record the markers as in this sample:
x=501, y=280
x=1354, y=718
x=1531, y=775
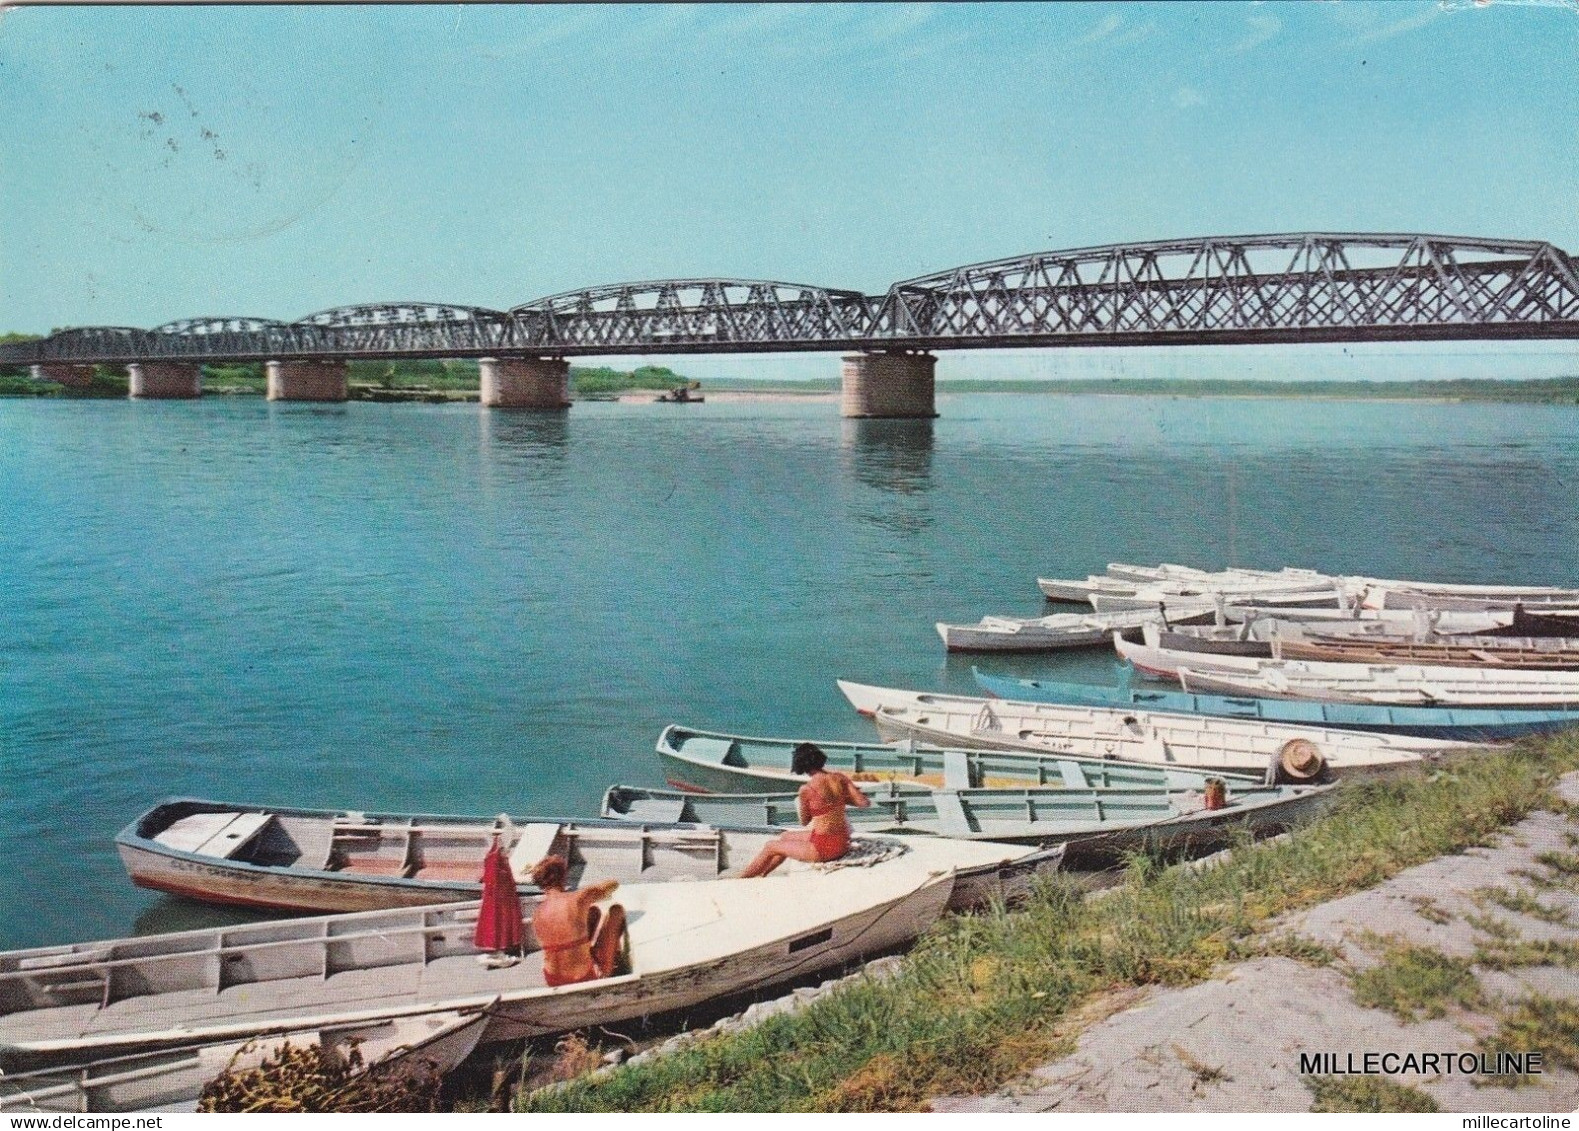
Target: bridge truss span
x=697, y=315
x=1295, y=288
x=1304, y=287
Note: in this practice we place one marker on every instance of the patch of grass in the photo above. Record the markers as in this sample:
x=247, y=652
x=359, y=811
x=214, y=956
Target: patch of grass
x=1506, y=954
x=1559, y=864
x=1520, y=903
x=1366, y=1094
x=1429, y=910
x=1287, y=944
x=1493, y=927
x=1417, y=982
x=1536, y=1024
x=982, y=998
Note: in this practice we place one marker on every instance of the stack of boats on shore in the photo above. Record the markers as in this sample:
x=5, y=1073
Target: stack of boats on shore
x=1127, y=597
x=1444, y=660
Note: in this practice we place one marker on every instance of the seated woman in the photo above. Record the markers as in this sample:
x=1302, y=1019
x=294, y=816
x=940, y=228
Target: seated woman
x=577, y=947
x=821, y=802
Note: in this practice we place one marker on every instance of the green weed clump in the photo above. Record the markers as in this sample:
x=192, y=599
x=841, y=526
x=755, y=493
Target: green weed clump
x=1417, y=982
x=983, y=998
x=1366, y=1094
x=1537, y=1023
x=1520, y=903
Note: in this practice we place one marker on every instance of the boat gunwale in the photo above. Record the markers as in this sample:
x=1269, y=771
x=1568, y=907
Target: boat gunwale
x=131, y=837
x=1034, y=756
x=1537, y=715
x=1281, y=795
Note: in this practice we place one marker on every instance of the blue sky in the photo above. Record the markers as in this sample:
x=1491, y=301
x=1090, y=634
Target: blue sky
x=158, y=163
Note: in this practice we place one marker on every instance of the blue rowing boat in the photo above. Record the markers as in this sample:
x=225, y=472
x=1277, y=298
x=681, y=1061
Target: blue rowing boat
x=1472, y=724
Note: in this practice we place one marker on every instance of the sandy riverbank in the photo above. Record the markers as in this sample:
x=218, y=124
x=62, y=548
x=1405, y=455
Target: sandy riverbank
x=1234, y=1043
x=740, y=396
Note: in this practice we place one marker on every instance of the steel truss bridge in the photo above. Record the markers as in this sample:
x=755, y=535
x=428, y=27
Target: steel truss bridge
x=1305, y=287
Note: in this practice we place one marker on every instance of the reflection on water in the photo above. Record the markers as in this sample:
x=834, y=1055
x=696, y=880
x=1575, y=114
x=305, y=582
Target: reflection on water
x=894, y=457
x=531, y=434
x=891, y=455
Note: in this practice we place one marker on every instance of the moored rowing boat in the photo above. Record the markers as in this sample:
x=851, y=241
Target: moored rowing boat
x=1093, y=824
x=1403, y=684
x=1467, y=724
x=1047, y=634
x=732, y=763
x=325, y=860
x=1197, y=741
x=81, y=1008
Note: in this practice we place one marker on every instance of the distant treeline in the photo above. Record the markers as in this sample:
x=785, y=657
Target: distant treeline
x=438, y=376
x=1553, y=390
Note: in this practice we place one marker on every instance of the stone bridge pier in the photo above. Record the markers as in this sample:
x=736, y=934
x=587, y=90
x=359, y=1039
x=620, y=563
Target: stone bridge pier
x=165, y=380
x=524, y=382
x=306, y=380
x=893, y=385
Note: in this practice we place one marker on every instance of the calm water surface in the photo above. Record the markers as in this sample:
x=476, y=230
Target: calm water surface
x=436, y=608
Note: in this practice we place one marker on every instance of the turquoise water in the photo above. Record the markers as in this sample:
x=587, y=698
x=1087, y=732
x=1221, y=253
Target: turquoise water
x=437, y=608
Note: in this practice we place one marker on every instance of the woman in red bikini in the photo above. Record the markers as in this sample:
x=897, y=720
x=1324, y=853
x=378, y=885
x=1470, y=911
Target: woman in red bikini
x=576, y=947
x=821, y=802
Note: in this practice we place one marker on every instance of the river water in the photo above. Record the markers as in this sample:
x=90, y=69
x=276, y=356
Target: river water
x=440, y=609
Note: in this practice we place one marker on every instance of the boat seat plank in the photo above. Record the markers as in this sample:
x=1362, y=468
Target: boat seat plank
x=657, y=810
x=235, y=836
x=951, y=817
x=189, y=833
x=1074, y=775
x=715, y=751
x=956, y=769
x=535, y=842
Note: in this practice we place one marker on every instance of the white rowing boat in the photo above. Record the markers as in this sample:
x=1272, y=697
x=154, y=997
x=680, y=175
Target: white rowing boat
x=1198, y=741
x=1046, y=634
x=87, y=1007
x=326, y=860
x=1399, y=684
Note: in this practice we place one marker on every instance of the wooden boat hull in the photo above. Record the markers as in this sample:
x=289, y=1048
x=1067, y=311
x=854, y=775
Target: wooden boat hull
x=725, y=763
x=173, y=1079
x=1265, y=685
x=1093, y=826
x=1050, y=634
x=1466, y=724
x=90, y=1004
x=1479, y=652
x=1185, y=740
x=1078, y=592
x=1562, y=603
x=1403, y=684
x=1179, y=602
x=596, y=851
x=274, y=890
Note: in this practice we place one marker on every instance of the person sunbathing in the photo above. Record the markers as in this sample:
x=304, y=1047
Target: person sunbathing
x=821, y=803
x=579, y=943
